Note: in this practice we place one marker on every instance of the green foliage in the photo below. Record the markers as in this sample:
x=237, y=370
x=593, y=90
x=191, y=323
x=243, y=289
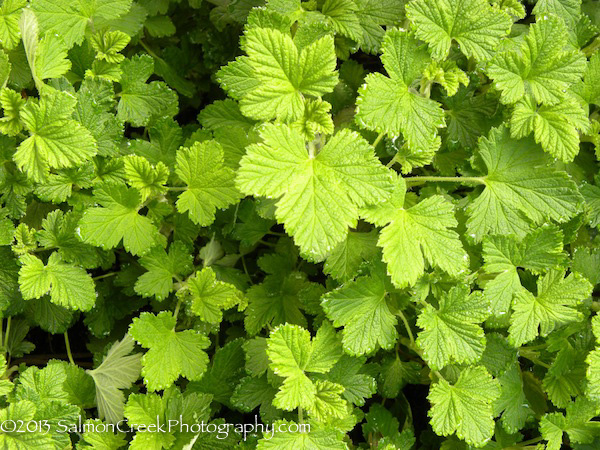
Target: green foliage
x=372, y=223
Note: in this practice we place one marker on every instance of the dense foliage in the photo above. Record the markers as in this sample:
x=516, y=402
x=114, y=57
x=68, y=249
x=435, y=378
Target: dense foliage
x=377, y=218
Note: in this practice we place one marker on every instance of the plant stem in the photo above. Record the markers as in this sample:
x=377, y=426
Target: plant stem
x=408, y=330
x=530, y=441
x=176, y=312
x=176, y=188
x=300, y=415
x=439, y=375
x=419, y=180
x=7, y=332
x=69, y=354
x=378, y=139
x=1, y=333
x=392, y=161
x=106, y=275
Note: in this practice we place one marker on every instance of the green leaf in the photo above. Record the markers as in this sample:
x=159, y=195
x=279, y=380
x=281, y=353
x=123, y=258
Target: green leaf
x=22, y=410
x=10, y=12
x=209, y=297
x=11, y=102
x=521, y=188
x=292, y=355
x=466, y=406
x=319, y=195
x=117, y=372
x=71, y=19
x=345, y=259
x=593, y=362
x=578, y=424
x=55, y=140
x=171, y=353
x=101, y=440
x=538, y=66
x=210, y=184
x=388, y=105
x=278, y=300
x=452, y=332
x=373, y=15
x=273, y=79
x=366, y=312
x=142, y=103
x=473, y=24
x=162, y=268
x=42, y=385
x=512, y=403
x=141, y=175
x=315, y=440
x=415, y=235
x=118, y=219
x=538, y=251
x=108, y=44
x=69, y=286
x=553, y=307
x=59, y=231
x=555, y=127
x=343, y=18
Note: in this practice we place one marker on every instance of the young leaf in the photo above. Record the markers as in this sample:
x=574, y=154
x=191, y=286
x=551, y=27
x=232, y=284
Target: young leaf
x=55, y=140
x=69, y=286
x=118, y=219
x=319, y=195
x=209, y=297
x=521, y=188
x=366, y=312
x=415, y=235
x=538, y=66
x=452, y=332
x=388, y=105
x=273, y=79
x=171, y=353
x=553, y=307
x=466, y=406
x=474, y=25
x=210, y=184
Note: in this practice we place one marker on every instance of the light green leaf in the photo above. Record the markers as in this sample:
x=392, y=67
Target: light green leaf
x=553, y=307
x=70, y=19
x=521, y=188
x=273, y=79
x=141, y=175
x=118, y=219
x=117, y=372
x=55, y=140
x=210, y=184
x=162, y=268
x=512, y=403
x=538, y=66
x=292, y=355
x=452, y=332
x=365, y=311
x=388, y=105
x=69, y=286
x=141, y=103
x=209, y=297
x=473, y=24
x=171, y=353
x=555, y=127
x=466, y=406
x=315, y=440
x=319, y=195
x=415, y=235
x=10, y=12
